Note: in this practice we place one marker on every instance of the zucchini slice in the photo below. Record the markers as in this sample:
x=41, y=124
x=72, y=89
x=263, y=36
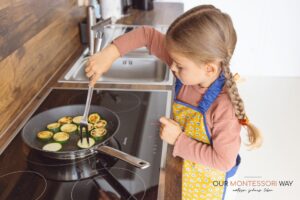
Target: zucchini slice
x=52, y=146
x=44, y=135
x=84, y=144
x=54, y=127
x=65, y=120
x=69, y=128
x=77, y=119
x=93, y=118
x=61, y=137
x=101, y=124
x=98, y=133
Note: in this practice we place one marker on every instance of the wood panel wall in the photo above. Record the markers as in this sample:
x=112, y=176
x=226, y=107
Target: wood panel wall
x=36, y=38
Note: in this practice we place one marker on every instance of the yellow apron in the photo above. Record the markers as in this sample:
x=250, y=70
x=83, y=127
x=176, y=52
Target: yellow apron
x=200, y=181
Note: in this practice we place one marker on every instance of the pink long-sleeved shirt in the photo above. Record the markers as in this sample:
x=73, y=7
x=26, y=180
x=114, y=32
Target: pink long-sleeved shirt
x=222, y=123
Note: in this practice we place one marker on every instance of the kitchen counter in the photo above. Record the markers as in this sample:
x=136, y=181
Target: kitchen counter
x=162, y=14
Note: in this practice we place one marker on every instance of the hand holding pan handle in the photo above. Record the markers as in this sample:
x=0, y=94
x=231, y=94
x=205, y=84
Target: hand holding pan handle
x=137, y=162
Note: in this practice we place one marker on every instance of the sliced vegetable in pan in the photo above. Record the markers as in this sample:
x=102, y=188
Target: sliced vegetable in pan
x=93, y=118
x=98, y=133
x=61, y=137
x=54, y=127
x=65, y=120
x=100, y=124
x=44, y=135
x=84, y=144
x=69, y=128
x=77, y=119
x=52, y=147
x=58, y=133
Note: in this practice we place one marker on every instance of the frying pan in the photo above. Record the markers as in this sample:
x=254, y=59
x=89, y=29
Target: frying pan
x=70, y=150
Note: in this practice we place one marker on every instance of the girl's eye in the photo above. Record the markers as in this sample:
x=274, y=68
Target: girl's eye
x=179, y=67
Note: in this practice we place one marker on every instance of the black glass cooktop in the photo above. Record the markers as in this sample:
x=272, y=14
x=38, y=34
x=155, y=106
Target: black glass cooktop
x=26, y=174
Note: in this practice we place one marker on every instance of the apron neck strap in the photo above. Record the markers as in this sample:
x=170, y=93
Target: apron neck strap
x=212, y=93
x=209, y=96
x=178, y=85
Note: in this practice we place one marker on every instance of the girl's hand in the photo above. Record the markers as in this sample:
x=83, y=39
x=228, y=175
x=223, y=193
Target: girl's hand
x=169, y=130
x=101, y=62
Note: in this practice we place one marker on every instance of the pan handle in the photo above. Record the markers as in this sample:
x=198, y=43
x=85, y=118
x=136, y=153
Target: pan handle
x=137, y=162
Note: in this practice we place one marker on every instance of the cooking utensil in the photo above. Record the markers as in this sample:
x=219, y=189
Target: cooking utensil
x=70, y=149
x=84, y=122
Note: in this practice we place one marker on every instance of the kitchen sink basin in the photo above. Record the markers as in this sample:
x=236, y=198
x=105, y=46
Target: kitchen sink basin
x=134, y=68
x=137, y=69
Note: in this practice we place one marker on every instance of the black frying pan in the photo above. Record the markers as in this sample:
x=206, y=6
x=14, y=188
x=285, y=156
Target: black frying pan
x=70, y=150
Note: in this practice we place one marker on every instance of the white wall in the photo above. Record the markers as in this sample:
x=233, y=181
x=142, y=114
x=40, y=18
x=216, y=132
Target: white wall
x=268, y=35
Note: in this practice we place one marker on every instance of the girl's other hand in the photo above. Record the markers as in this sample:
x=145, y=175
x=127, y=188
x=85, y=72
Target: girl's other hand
x=101, y=62
x=169, y=130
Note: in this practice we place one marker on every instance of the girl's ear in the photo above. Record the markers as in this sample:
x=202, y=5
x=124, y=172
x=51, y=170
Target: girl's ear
x=211, y=69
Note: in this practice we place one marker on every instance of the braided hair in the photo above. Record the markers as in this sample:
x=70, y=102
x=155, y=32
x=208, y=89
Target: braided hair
x=238, y=104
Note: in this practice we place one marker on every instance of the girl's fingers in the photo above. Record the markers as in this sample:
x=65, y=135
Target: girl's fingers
x=90, y=73
x=92, y=83
x=94, y=79
x=161, y=134
x=88, y=68
x=173, y=122
x=88, y=65
x=164, y=120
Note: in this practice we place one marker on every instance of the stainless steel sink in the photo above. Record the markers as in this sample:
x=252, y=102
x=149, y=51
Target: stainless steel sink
x=137, y=67
x=133, y=68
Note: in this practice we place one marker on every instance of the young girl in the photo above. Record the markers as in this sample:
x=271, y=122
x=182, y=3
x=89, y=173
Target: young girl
x=208, y=111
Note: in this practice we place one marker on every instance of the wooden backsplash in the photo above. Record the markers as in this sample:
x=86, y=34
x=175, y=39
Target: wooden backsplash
x=36, y=38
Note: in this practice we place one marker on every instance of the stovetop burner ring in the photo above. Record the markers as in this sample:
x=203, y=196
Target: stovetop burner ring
x=95, y=178
x=30, y=172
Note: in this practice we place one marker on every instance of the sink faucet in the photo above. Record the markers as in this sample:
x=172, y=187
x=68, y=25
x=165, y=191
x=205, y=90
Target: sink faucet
x=95, y=30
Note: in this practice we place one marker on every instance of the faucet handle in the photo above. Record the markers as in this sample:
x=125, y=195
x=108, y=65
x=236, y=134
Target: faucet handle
x=98, y=41
x=99, y=26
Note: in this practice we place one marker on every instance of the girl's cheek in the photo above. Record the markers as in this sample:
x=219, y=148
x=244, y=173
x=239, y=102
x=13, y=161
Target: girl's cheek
x=182, y=76
x=186, y=77
x=181, y=73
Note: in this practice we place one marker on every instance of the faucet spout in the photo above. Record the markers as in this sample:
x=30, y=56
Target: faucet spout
x=95, y=30
x=91, y=22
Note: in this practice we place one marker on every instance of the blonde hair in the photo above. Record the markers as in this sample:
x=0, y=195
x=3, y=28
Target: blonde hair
x=205, y=34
